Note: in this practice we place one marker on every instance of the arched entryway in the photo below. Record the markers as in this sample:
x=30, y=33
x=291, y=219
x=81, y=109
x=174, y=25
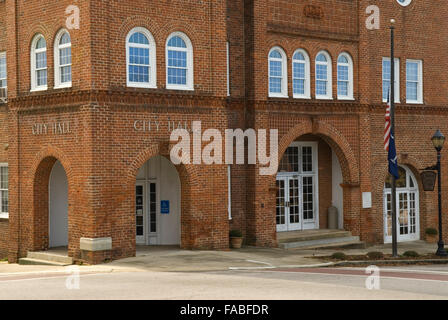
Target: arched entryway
x=58, y=207
x=308, y=183
x=158, y=203
x=407, y=207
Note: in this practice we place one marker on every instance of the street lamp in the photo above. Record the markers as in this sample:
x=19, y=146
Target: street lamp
x=438, y=139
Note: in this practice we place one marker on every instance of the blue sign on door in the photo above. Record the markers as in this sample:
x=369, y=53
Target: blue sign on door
x=165, y=207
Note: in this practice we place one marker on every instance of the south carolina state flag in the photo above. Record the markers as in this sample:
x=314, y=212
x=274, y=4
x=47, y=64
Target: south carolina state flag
x=392, y=156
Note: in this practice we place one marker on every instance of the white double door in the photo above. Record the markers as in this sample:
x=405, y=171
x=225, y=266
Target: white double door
x=297, y=185
x=296, y=203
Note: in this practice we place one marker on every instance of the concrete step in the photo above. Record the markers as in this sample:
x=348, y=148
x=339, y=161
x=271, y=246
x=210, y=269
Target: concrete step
x=49, y=257
x=29, y=261
x=288, y=237
x=348, y=241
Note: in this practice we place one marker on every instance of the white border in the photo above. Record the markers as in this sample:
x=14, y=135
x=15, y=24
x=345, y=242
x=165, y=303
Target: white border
x=190, y=65
x=33, y=52
x=350, y=75
x=57, y=71
x=284, y=91
x=420, y=82
x=152, y=59
x=5, y=215
x=329, y=95
x=307, y=94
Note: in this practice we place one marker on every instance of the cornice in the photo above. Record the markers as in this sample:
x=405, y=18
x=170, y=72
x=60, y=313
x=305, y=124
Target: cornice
x=115, y=97
x=306, y=33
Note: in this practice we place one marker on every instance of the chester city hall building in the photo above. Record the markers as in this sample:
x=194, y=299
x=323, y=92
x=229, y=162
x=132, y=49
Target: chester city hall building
x=87, y=111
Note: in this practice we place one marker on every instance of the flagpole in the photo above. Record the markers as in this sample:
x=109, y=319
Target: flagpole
x=392, y=119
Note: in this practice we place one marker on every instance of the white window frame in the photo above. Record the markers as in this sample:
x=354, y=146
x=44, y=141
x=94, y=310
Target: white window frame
x=284, y=79
x=57, y=67
x=419, y=83
x=3, y=56
x=329, y=95
x=4, y=215
x=190, y=65
x=34, y=51
x=349, y=64
x=397, y=79
x=307, y=94
x=152, y=84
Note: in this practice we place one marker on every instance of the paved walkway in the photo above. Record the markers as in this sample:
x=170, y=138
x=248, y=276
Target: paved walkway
x=171, y=259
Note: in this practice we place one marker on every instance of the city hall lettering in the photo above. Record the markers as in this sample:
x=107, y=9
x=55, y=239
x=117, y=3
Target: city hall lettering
x=157, y=125
x=56, y=128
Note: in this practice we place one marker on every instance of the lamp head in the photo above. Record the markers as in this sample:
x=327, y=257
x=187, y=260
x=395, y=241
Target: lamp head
x=438, y=139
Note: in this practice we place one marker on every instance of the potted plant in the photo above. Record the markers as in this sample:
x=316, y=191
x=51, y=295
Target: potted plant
x=431, y=235
x=236, y=239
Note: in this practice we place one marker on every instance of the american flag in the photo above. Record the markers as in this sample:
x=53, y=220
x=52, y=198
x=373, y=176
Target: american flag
x=387, y=125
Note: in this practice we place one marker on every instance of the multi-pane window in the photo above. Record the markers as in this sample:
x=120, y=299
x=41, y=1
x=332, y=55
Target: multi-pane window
x=386, y=79
x=277, y=73
x=3, y=73
x=179, y=56
x=414, y=82
x=140, y=51
x=39, y=64
x=300, y=75
x=63, y=60
x=3, y=191
x=345, y=77
x=323, y=76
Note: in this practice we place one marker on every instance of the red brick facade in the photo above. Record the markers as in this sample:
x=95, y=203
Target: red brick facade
x=102, y=152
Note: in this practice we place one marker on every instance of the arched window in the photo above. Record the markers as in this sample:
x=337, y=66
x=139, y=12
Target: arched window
x=408, y=222
x=39, y=63
x=345, y=76
x=301, y=74
x=63, y=60
x=179, y=62
x=323, y=76
x=278, y=79
x=140, y=59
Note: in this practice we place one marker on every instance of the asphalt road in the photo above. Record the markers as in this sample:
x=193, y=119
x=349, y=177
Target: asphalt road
x=415, y=282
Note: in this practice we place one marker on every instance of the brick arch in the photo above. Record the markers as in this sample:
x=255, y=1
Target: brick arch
x=334, y=138
x=187, y=174
x=138, y=21
x=42, y=166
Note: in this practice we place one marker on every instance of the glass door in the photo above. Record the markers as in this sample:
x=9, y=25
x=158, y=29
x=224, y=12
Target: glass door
x=140, y=213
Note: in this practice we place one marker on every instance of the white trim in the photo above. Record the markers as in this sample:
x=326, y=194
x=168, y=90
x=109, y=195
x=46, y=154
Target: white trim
x=349, y=95
x=329, y=95
x=190, y=64
x=397, y=78
x=284, y=78
x=307, y=94
x=228, y=67
x=4, y=215
x=33, y=52
x=229, y=191
x=57, y=67
x=419, y=83
x=152, y=59
x=404, y=3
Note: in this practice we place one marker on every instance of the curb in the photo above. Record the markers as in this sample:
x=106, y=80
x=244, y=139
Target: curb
x=386, y=262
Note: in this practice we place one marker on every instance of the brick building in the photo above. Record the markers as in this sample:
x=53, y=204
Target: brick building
x=85, y=125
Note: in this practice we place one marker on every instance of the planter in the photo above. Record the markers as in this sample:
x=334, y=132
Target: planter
x=236, y=242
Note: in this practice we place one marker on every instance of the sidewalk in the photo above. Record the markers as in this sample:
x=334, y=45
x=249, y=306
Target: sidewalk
x=172, y=259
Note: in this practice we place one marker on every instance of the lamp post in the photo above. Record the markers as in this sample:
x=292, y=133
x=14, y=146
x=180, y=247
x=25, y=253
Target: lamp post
x=438, y=139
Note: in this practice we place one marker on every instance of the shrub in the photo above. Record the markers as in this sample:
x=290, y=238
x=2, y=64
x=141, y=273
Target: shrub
x=375, y=255
x=339, y=256
x=412, y=254
x=431, y=232
x=235, y=234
